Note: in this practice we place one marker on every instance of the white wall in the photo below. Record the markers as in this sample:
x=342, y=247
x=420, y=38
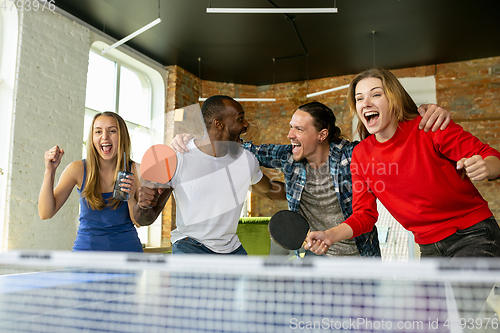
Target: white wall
x=49, y=110
x=421, y=89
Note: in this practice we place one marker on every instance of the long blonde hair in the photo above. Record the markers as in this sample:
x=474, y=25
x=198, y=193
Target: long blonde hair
x=401, y=105
x=92, y=191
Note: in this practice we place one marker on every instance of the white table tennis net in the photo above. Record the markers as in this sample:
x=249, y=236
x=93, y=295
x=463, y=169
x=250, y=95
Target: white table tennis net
x=95, y=292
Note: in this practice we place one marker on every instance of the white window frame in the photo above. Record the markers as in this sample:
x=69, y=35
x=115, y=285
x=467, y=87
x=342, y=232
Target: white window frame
x=150, y=235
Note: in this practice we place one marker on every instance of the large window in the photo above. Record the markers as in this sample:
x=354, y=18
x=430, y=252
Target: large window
x=112, y=86
x=121, y=84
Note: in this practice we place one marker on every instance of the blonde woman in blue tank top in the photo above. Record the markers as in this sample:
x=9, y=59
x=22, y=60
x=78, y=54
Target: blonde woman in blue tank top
x=106, y=224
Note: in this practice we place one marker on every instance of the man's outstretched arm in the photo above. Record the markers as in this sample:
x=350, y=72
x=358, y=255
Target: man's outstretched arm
x=271, y=189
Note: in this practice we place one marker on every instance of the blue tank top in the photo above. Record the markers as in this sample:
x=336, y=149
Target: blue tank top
x=107, y=229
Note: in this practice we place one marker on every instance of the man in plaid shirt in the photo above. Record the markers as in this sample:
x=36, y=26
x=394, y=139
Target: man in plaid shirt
x=320, y=153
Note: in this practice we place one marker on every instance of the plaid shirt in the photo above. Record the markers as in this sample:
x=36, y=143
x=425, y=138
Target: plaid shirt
x=280, y=157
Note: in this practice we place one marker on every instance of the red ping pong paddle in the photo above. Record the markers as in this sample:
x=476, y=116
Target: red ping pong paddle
x=288, y=229
x=158, y=165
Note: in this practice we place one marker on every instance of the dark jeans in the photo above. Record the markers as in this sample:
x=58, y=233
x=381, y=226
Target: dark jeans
x=480, y=240
x=192, y=246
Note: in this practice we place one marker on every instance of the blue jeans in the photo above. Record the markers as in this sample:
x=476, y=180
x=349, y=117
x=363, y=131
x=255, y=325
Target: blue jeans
x=480, y=240
x=192, y=246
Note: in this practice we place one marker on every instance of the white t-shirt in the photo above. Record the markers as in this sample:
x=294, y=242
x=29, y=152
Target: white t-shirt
x=209, y=193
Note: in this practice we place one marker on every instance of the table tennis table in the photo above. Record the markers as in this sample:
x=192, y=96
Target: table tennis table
x=97, y=292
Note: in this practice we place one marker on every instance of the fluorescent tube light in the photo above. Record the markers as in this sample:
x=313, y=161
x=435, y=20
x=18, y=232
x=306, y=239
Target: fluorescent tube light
x=270, y=10
x=327, y=91
x=202, y=99
x=132, y=35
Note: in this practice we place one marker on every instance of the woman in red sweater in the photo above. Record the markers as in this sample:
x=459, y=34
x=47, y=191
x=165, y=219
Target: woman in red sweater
x=418, y=176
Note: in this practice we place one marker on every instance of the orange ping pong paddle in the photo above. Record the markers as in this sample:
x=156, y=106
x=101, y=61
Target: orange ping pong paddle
x=158, y=165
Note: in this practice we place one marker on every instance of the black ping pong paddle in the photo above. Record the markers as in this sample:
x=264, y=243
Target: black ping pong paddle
x=158, y=165
x=288, y=229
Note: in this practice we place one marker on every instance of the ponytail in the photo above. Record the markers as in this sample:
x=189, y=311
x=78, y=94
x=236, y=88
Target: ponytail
x=323, y=117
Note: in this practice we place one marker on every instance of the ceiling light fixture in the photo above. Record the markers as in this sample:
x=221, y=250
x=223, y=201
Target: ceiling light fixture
x=138, y=32
x=132, y=35
x=271, y=10
x=327, y=91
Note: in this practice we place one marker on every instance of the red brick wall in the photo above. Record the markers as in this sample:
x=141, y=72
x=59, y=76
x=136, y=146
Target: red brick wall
x=469, y=89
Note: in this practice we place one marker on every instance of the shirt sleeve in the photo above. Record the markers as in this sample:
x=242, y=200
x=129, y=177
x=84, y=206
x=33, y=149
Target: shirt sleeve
x=256, y=172
x=455, y=143
x=364, y=202
x=269, y=156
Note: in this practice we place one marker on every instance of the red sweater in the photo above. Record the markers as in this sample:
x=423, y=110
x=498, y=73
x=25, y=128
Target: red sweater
x=414, y=176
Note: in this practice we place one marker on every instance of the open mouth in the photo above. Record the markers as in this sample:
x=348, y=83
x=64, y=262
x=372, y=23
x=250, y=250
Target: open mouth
x=371, y=117
x=106, y=148
x=243, y=132
x=295, y=147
